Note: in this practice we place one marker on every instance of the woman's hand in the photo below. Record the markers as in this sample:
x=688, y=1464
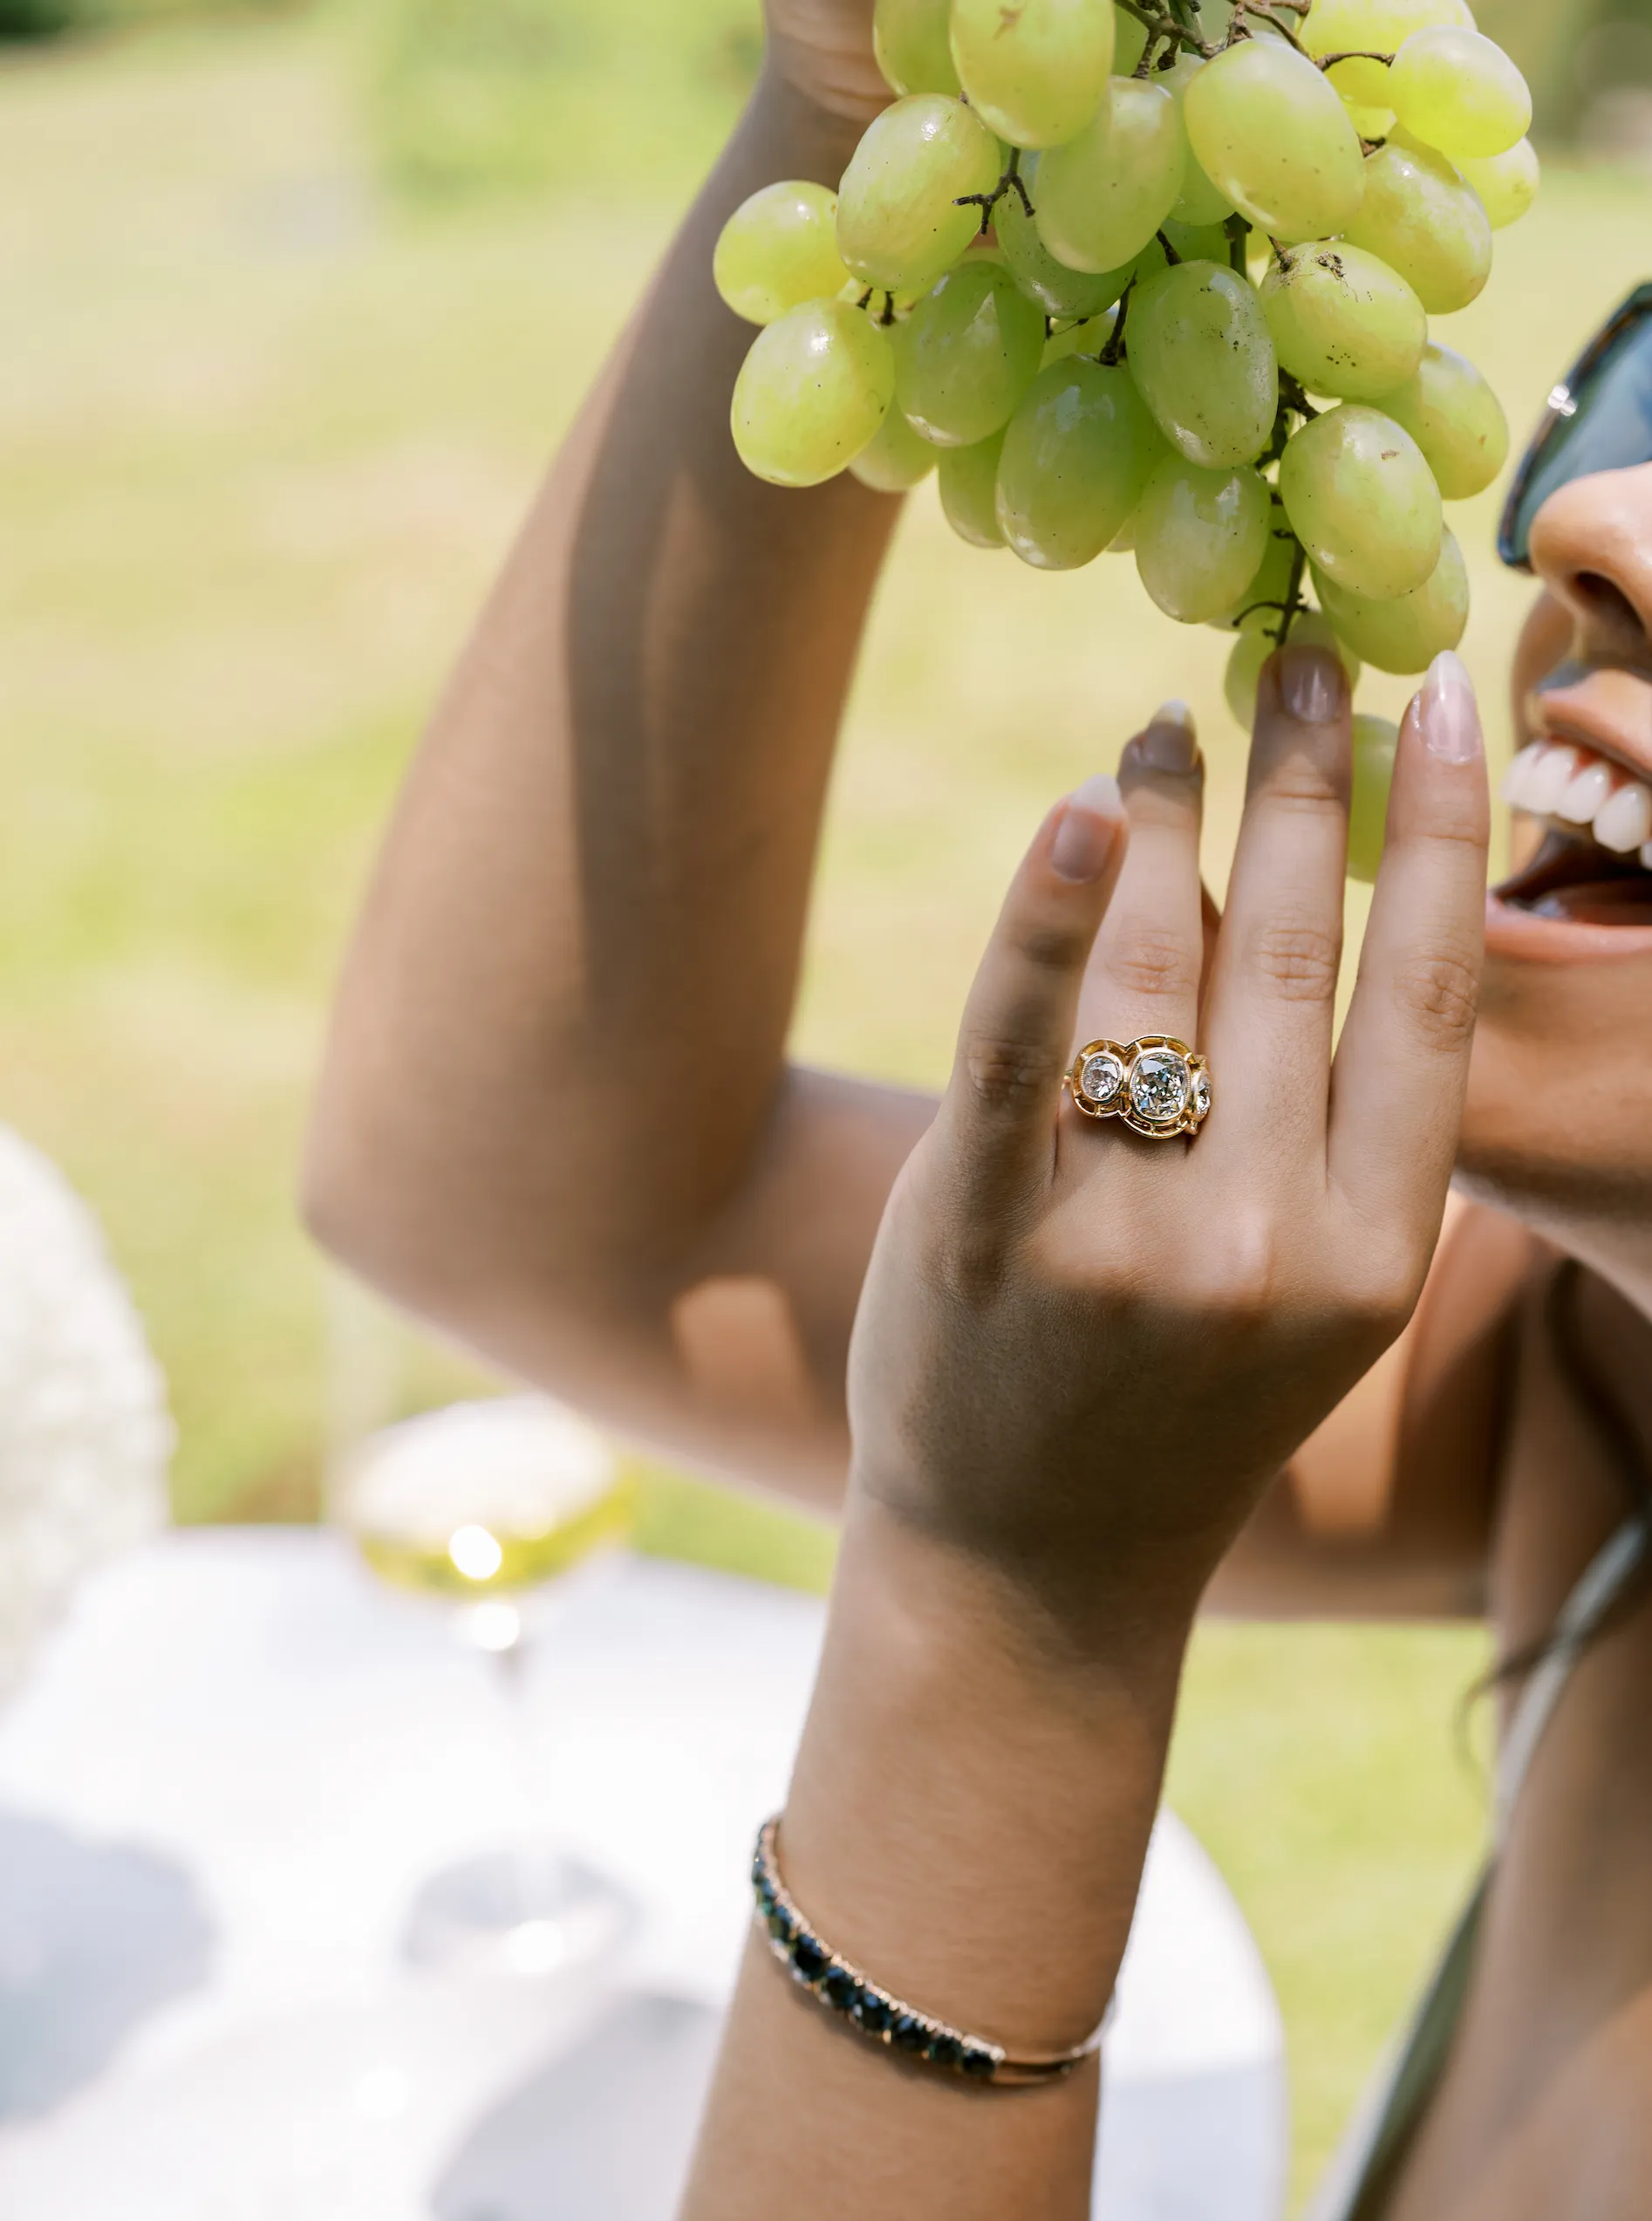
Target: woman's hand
x=823, y=48
x=1080, y=1355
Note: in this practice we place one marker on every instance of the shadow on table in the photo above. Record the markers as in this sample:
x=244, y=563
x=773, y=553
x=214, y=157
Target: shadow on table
x=95, y=1939
x=600, y=2133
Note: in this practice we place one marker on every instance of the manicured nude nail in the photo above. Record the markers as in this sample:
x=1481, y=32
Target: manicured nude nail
x=1171, y=743
x=1091, y=820
x=1449, y=713
x=1311, y=685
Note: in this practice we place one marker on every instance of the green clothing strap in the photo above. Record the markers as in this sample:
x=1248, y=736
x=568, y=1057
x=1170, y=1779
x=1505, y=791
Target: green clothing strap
x=1421, y=2061
x=1397, y=2110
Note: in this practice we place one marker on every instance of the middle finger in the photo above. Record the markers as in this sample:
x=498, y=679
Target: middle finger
x=1272, y=997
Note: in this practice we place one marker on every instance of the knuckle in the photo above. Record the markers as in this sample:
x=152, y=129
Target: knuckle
x=972, y=1265
x=1004, y=1074
x=1383, y=1279
x=1152, y=965
x=1439, y=993
x=1240, y=1273
x=1047, y=944
x=1297, y=785
x=1301, y=961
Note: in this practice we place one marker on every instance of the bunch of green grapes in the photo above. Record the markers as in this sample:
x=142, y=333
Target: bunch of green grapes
x=1125, y=285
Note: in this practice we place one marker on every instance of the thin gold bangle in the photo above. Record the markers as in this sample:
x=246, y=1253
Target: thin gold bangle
x=873, y=2012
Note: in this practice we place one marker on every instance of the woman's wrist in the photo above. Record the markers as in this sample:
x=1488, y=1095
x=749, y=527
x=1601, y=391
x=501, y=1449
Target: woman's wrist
x=969, y=1816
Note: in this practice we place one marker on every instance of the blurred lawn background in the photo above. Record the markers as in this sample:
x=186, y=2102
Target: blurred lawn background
x=296, y=306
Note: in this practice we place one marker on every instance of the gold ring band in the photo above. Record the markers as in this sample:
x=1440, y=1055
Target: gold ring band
x=1157, y=1085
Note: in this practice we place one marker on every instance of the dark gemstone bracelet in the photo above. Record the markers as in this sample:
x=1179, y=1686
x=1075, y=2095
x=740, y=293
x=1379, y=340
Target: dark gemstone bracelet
x=872, y=2011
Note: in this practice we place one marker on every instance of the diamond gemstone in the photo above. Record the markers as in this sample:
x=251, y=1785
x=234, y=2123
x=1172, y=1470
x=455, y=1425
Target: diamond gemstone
x=1202, y=1094
x=1103, y=1077
x=1159, y=1085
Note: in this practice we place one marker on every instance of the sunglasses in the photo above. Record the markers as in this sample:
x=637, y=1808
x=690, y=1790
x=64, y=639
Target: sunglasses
x=1600, y=417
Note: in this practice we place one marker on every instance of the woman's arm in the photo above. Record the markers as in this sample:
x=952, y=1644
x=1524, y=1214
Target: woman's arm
x=1079, y=1359
x=555, y=1115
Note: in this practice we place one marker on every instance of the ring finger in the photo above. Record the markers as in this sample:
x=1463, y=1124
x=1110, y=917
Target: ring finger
x=1144, y=976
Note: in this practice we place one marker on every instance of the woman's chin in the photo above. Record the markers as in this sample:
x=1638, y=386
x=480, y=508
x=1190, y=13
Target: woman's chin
x=1558, y=1120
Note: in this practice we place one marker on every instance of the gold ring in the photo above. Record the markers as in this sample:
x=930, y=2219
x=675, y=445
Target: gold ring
x=1157, y=1085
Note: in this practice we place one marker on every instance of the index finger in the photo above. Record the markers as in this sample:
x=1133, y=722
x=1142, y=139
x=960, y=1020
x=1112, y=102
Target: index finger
x=1013, y=1048
x=1402, y=1067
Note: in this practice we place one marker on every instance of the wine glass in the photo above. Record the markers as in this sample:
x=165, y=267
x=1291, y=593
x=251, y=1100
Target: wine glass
x=486, y=1506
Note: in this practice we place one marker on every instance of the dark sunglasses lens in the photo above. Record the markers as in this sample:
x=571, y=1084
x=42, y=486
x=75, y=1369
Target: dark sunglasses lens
x=1609, y=428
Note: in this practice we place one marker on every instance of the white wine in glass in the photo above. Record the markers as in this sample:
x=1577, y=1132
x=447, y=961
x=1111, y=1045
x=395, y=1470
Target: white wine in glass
x=484, y=1506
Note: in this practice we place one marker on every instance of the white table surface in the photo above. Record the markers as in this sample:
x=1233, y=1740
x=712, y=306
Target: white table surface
x=221, y=1790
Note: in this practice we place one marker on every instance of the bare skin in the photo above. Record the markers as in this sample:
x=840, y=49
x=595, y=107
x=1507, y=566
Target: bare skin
x=604, y=853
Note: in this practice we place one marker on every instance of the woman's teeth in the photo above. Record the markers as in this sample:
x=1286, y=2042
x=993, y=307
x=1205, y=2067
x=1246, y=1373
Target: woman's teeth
x=1577, y=787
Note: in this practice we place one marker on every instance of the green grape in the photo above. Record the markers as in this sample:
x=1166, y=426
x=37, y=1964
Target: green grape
x=1102, y=197
x=968, y=479
x=1372, y=124
x=1087, y=337
x=1375, y=742
x=1200, y=536
x=778, y=250
x=1194, y=242
x=1269, y=133
x=1257, y=642
x=1200, y=203
x=811, y=393
x=1202, y=356
x=1507, y=184
x=1269, y=588
x=1372, y=27
x=1077, y=454
x=1460, y=93
x=1363, y=501
x=1129, y=41
x=1407, y=633
x=1343, y=322
x=897, y=459
x=1420, y=218
x=1036, y=71
x=909, y=38
x=1456, y=419
x=966, y=354
x=898, y=222
x=1058, y=291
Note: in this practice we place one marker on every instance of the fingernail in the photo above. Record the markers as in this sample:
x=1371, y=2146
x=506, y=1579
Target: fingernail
x=1091, y=819
x=1171, y=743
x=1311, y=685
x=1448, y=713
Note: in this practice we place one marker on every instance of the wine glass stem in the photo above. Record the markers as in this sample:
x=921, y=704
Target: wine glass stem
x=532, y=1852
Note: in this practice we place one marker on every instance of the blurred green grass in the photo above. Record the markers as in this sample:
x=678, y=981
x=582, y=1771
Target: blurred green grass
x=263, y=440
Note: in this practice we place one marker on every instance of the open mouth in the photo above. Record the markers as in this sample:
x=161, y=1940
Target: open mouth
x=1571, y=876
x=1595, y=864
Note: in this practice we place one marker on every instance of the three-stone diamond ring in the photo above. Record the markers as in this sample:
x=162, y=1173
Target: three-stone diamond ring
x=1157, y=1086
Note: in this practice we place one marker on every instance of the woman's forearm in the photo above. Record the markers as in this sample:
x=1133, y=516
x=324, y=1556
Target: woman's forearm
x=562, y=1027
x=968, y=1824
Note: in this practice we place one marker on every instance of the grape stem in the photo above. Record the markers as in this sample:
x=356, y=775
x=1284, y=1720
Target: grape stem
x=1011, y=182
x=1292, y=394
x=1238, y=232
x=1114, y=347
x=1239, y=29
x=1175, y=21
x=1330, y=61
x=1170, y=254
x=1293, y=602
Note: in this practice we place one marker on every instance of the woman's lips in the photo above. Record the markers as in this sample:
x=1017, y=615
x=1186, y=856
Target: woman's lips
x=1530, y=936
